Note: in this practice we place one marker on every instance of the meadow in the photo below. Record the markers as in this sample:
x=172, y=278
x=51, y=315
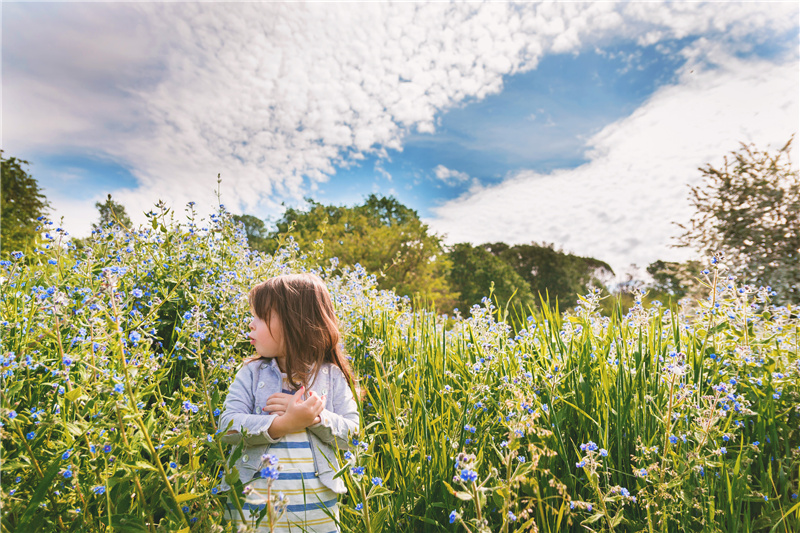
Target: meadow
x=117, y=355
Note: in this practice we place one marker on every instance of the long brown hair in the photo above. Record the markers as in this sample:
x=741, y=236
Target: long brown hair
x=310, y=327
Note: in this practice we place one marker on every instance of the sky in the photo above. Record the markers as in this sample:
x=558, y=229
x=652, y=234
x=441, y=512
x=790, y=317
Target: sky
x=579, y=125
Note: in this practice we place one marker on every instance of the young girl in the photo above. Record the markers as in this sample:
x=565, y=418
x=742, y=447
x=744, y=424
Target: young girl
x=292, y=399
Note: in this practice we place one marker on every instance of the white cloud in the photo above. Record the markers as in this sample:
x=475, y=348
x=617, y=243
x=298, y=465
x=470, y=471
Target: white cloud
x=449, y=176
x=275, y=95
x=619, y=207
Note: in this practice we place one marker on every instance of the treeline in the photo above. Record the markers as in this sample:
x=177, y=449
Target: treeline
x=389, y=239
x=748, y=211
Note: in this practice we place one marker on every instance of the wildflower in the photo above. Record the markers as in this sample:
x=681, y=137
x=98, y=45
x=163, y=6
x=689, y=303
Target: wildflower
x=68, y=472
x=270, y=459
x=269, y=473
x=107, y=448
x=625, y=492
x=119, y=388
x=172, y=464
x=359, y=506
x=512, y=517
x=589, y=507
x=216, y=412
x=12, y=414
x=521, y=458
x=99, y=489
x=603, y=452
x=65, y=455
x=30, y=435
x=67, y=361
x=723, y=450
x=589, y=447
x=468, y=476
x=214, y=490
x=357, y=470
x=185, y=508
x=673, y=439
x=377, y=481
x=137, y=293
x=348, y=456
x=135, y=336
x=580, y=464
x=726, y=438
x=643, y=472
x=453, y=516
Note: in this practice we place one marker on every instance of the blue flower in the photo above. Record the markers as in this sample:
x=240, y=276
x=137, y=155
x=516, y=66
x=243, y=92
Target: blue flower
x=512, y=517
x=99, y=489
x=172, y=464
x=215, y=490
x=723, y=450
x=269, y=473
x=348, y=456
x=65, y=455
x=187, y=315
x=453, y=517
x=12, y=414
x=580, y=464
x=673, y=439
x=643, y=472
x=185, y=508
x=603, y=452
x=30, y=435
x=625, y=492
x=137, y=293
x=377, y=481
x=216, y=412
x=468, y=475
x=135, y=336
x=357, y=470
x=68, y=472
x=359, y=506
x=107, y=448
x=589, y=446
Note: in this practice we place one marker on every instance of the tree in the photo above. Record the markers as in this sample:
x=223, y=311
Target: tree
x=22, y=202
x=256, y=230
x=111, y=212
x=552, y=272
x=750, y=210
x=473, y=272
x=384, y=236
x=676, y=280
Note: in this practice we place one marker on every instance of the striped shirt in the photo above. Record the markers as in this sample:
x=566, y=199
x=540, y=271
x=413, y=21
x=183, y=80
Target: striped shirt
x=312, y=507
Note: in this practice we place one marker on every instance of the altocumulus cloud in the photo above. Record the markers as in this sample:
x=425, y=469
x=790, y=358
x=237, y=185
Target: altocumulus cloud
x=277, y=96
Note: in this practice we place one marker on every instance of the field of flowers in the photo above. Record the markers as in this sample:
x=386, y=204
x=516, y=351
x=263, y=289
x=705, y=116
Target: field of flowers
x=116, y=357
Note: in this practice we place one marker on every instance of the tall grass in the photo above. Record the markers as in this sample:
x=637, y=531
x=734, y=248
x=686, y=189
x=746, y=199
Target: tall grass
x=116, y=359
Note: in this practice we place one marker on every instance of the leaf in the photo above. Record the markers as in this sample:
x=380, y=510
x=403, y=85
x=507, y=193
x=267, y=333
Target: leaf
x=74, y=394
x=379, y=520
x=38, y=495
x=592, y=519
x=461, y=495
x=180, y=498
x=128, y=523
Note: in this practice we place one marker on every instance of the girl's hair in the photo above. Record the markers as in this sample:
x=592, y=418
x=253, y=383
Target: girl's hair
x=310, y=328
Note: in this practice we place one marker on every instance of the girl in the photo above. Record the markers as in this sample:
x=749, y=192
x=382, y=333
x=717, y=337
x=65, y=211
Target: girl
x=292, y=399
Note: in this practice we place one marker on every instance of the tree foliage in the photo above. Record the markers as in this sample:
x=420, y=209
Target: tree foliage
x=111, y=212
x=22, y=202
x=256, y=230
x=474, y=271
x=552, y=272
x=750, y=210
x=384, y=236
x=676, y=280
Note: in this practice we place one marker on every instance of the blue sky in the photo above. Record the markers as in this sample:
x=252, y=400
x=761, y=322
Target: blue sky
x=581, y=125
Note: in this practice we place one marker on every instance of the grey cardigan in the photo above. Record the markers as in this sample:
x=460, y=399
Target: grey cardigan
x=251, y=387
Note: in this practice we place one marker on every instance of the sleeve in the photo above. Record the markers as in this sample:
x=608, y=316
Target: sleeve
x=237, y=413
x=339, y=425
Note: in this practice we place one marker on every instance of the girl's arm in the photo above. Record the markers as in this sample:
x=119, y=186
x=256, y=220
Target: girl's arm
x=338, y=425
x=237, y=412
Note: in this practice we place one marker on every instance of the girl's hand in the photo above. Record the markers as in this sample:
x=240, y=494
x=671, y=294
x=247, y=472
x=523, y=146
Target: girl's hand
x=299, y=414
x=277, y=403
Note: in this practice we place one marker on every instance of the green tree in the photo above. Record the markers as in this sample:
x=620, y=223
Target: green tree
x=22, y=202
x=473, y=272
x=382, y=235
x=673, y=281
x=111, y=212
x=256, y=230
x=749, y=209
x=552, y=272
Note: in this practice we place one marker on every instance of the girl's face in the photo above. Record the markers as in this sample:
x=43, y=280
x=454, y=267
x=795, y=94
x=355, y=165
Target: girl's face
x=267, y=343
